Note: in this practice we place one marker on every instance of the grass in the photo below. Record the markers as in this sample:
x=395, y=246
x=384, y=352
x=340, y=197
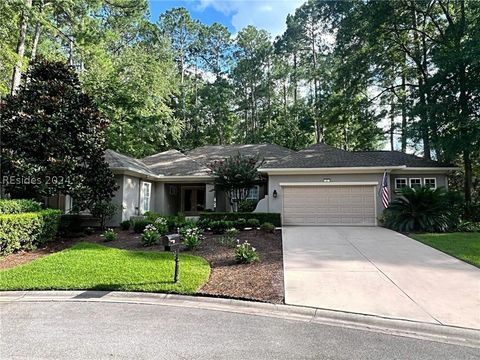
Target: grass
x=87, y=266
x=464, y=246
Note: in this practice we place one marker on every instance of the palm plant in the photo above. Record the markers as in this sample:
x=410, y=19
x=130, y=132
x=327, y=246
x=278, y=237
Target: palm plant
x=421, y=209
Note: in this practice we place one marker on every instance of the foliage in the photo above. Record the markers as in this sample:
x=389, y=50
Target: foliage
x=162, y=225
x=92, y=266
x=467, y=226
x=229, y=239
x=236, y=175
x=421, y=209
x=104, y=210
x=150, y=236
x=240, y=224
x=247, y=205
x=220, y=226
x=109, y=235
x=268, y=227
x=140, y=224
x=253, y=223
x=125, y=225
x=273, y=218
x=464, y=246
x=54, y=142
x=191, y=236
x=19, y=206
x=246, y=253
x=25, y=231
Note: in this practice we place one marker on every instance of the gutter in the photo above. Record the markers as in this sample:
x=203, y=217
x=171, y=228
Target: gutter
x=330, y=170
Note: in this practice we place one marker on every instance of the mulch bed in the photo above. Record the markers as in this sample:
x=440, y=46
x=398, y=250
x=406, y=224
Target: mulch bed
x=262, y=281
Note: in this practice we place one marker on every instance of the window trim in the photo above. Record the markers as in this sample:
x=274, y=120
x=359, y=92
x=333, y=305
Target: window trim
x=410, y=181
x=396, y=185
x=149, y=185
x=432, y=178
x=258, y=193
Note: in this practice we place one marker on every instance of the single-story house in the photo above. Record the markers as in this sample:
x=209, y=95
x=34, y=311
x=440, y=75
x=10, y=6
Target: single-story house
x=320, y=185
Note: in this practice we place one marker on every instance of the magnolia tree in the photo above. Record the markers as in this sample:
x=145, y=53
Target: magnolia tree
x=53, y=139
x=236, y=175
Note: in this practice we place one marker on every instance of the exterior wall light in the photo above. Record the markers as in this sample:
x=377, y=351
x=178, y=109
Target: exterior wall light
x=275, y=194
x=327, y=179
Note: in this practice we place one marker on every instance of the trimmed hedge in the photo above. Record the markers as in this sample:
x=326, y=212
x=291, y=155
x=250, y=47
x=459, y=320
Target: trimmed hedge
x=8, y=206
x=273, y=218
x=27, y=230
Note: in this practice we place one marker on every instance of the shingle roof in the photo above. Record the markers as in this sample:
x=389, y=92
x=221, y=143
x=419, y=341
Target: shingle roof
x=119, y=161
x=326, y=156
x=174, y=163
x=269, y=152
x=396, y=158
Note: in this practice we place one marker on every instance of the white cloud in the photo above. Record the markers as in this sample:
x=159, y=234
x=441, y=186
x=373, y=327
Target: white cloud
x=267, y=14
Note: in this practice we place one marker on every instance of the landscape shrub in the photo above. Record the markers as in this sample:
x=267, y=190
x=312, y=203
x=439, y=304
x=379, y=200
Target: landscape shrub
x=253, y=223
x=203, y=224
x=25, y=231
x=139, y=225
x=162, y=225
x=219, y=227
x=273, y=218
x=109, y=235
x=247, y=205
x=150, y=235
x=241, y=224
x=246, y=253
x=18, y=206
x=192, y=237
x=125, y=225
x=268, y=227
x=104, y=211
x=468, y=226
x=230, y=237
x=421, y=209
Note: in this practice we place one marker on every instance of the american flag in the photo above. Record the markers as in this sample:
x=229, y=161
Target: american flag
x=385, y=190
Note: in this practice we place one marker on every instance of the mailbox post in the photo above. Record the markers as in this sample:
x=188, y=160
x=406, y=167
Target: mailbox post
x=176, y=249
x=173, y=243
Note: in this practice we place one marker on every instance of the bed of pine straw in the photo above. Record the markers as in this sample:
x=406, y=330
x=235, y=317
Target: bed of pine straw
x=262, y=281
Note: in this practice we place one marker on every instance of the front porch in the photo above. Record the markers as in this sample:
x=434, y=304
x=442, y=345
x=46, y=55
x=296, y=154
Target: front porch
x=187, y=198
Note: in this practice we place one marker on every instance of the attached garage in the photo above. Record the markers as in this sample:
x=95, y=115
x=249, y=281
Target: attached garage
x=329, y=203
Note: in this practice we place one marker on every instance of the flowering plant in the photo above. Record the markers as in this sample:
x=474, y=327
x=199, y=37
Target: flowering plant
x=150, y=235
x=192, y=237
x=162, y=225
x=229, y=238
x=246, y=253
x=109, y=235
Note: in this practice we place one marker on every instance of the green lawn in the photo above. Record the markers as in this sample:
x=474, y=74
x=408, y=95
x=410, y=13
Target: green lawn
x=91, y=266
x=464, y=246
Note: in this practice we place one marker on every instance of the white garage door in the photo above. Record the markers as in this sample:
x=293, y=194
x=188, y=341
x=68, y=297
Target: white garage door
x=329, y=205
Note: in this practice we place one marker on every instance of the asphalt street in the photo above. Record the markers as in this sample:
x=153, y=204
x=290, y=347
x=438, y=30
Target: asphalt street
x=101, y=330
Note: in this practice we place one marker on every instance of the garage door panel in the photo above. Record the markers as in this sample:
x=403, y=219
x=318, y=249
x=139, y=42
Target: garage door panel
x=329, y=205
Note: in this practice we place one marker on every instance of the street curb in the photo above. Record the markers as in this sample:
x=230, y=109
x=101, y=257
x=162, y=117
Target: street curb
x=396, y=327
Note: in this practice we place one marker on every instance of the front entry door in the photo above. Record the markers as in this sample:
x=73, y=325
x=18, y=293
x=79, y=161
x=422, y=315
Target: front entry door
x=193, y=199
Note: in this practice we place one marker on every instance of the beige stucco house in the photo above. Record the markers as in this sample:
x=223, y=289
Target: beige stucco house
x=320, y=185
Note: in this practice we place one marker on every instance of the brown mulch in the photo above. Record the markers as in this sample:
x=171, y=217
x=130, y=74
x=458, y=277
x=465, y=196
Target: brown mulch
x=261, y=281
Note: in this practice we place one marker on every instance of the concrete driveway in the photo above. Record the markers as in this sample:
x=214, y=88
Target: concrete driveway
x=372, y=270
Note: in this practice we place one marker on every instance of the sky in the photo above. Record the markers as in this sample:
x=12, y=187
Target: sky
x=269, y=15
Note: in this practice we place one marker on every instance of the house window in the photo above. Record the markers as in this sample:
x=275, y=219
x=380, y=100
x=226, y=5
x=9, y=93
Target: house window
x=430, y=182
x=415, y=182
x=400, y=183
x=253, y=193
x=147, y=193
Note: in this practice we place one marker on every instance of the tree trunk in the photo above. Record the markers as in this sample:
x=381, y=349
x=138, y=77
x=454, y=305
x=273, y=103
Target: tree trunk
x=392, y=125
x=20, y=50
x=404, y=110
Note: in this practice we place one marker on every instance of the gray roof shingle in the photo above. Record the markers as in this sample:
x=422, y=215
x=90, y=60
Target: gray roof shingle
x=269, y=152
x=174, y=163
x=326, y=156
x=116, y=160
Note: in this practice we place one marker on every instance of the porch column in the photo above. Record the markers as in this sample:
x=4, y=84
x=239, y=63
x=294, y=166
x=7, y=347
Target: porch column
x=209, y=196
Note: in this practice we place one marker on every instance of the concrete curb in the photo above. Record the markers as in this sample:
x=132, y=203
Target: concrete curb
x=397, y=327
